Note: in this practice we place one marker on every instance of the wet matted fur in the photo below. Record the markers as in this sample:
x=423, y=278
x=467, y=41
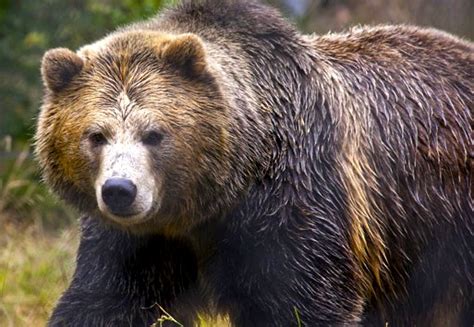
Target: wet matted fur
x=330, y=176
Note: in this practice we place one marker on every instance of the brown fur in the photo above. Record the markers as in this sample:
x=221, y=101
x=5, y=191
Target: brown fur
x=190, y=116
x=445, y=150
x=332, y=174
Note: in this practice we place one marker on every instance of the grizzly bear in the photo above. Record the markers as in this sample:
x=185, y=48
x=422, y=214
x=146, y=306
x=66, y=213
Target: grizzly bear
x=226, y=164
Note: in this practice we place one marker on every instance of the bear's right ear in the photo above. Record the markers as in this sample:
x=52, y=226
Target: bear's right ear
x=59, y=67
x=185, y=52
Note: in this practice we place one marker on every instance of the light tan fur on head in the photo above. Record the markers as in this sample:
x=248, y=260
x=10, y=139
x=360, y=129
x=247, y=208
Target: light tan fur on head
x=129, y=84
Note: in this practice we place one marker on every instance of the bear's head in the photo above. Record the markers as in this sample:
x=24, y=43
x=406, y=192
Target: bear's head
x=135, y=129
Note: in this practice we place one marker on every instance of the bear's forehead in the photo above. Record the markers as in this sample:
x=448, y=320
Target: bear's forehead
x=133, y=99
x=122, y=66
x=125, y=76
x=127, y=45
x=125, y=82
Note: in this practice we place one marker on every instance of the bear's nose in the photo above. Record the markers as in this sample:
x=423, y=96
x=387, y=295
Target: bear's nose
x=119, y=194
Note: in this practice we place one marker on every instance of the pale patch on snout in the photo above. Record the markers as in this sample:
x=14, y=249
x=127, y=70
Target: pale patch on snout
x=126, y=192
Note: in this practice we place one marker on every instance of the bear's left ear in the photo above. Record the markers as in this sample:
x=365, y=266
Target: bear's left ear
x=59, y=67
x=186, y=53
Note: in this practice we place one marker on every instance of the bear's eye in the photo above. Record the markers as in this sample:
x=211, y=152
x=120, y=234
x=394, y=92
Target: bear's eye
x=152, y=138
x=97, y=139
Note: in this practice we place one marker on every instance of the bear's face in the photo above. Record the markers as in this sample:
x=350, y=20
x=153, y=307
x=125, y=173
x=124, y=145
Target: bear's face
x=134, y=129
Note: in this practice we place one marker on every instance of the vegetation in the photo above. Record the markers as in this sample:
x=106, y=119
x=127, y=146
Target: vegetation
x=35, y=267
x=38, y=234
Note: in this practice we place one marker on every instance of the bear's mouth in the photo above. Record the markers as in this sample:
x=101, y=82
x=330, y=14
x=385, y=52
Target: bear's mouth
x=125, y=214
x=132, y=218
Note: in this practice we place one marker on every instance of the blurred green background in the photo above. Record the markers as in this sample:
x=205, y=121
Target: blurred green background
x=38, y=235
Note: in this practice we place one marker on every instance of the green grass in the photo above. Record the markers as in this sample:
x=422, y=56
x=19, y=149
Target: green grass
x=35, y=268
x=38, y=240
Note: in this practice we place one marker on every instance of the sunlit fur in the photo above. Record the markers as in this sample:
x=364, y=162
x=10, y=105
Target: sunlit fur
x=331, y=175
x=192, y=166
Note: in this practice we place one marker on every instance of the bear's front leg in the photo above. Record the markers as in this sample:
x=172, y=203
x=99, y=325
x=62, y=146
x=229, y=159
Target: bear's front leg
x=125, y=280
x=293, y=275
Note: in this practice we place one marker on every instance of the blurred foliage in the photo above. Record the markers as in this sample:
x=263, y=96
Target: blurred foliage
x=23, y=199
x=35, y=268
x=29, y=27
x=321, y=16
